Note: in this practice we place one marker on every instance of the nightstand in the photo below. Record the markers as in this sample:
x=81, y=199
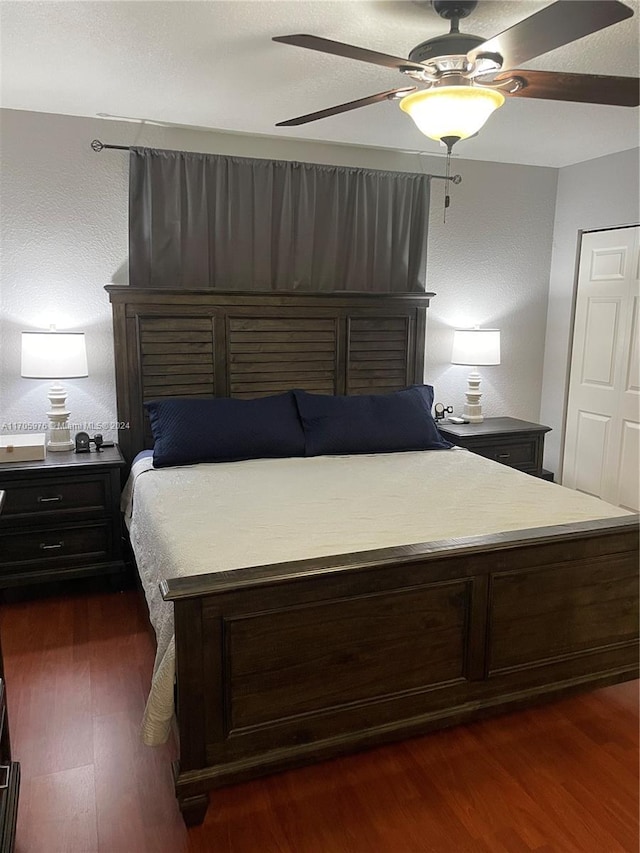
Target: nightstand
x=61, y=517
x=519, y=444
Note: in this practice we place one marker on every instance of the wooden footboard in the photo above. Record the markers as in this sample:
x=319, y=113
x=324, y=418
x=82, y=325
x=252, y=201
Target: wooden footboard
x=287, y=664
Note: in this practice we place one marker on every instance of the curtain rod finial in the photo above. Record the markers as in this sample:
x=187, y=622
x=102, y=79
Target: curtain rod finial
x=97, y=145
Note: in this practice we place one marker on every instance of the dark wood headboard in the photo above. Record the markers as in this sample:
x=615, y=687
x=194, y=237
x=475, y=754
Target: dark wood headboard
x=210, y=343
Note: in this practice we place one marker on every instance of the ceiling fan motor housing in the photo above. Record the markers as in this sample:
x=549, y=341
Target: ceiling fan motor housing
x=447, y=46
x=449, y=9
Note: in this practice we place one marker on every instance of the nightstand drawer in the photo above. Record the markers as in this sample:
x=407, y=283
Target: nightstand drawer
x=517, y=454
x=49, y=496
x=518, y=444
x=88, y=543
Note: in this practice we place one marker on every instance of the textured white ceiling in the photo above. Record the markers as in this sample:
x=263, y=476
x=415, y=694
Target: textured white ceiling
x=213, y=65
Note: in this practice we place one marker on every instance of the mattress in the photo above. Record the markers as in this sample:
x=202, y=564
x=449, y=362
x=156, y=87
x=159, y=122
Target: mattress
x=218, y=517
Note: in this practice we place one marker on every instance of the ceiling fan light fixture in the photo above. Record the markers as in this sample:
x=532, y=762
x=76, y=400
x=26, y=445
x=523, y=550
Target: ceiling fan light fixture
x=451, y=111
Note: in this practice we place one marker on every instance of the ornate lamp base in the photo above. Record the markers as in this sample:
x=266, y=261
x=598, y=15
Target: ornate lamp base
x=59, y=432
x=472, y=408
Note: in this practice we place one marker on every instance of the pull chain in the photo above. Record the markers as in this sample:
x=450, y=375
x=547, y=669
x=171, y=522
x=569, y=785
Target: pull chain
x=447, y=197
x=449, y=141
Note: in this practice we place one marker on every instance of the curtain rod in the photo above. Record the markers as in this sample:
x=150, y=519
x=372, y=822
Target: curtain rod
x=100, y=146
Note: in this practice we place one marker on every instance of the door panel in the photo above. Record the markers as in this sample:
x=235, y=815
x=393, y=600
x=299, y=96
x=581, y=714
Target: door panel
x=591, y=443
x=608, y=264
x=603, y=413
x=633, y=370
x=599, y=342
x=629, y=485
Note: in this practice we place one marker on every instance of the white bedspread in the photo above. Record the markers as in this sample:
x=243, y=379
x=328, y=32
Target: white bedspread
x=207, y=518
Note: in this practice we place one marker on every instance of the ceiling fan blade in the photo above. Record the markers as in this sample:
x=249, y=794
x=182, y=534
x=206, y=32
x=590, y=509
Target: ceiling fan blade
x=556, y=25
x=583, y=88
x=338, y=48
x=343, y=108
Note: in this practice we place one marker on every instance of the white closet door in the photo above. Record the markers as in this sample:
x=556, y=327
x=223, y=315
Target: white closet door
x=603, y=414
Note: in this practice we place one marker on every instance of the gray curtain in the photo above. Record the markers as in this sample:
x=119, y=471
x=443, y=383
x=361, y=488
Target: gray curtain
x=202, y=221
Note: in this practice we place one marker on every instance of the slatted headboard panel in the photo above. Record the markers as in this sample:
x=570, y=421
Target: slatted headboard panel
x=267, y=355
x=379, y=350
x=207, y=343
x=176, y=357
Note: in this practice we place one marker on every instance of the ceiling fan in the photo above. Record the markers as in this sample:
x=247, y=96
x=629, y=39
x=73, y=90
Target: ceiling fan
x=465, y=77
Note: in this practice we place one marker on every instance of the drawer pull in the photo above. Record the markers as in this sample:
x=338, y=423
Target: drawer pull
x=51, y=500
x=5, y=770
x=55, y=547
x=503, y=456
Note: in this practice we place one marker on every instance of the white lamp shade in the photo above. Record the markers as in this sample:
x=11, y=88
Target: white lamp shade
x=476, y=347
x=458, y=111
x=53, y=355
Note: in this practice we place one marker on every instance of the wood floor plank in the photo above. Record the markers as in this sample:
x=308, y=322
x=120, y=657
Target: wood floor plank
x=398, y=796
x=61, y=814
x=116, y=635
x=562, y=778
x=483, y=796
x=51, y=713
x=548, y=755
x=137, y=809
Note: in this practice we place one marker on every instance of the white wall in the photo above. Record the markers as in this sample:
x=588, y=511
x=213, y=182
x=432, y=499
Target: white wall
x=64, y=236
x=601, y=193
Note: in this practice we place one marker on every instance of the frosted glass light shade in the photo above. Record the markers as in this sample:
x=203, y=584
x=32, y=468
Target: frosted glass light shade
x=476, y=347
x=451, y=110
x=53, y=355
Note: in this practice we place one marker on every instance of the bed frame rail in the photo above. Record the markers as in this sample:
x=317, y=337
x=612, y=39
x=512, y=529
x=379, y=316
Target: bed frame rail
x=283, y=665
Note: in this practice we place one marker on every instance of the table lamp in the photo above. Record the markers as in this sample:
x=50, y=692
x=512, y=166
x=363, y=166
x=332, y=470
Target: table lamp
x=55, y=355
x=476, y=347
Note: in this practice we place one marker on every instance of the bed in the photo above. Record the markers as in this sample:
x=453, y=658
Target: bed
x=283, y=661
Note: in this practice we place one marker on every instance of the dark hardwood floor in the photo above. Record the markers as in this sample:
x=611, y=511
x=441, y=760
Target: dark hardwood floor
x=563, y=777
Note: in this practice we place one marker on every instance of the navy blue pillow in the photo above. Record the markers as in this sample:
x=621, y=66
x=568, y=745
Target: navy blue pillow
x=373, y=423
x=221, y=429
